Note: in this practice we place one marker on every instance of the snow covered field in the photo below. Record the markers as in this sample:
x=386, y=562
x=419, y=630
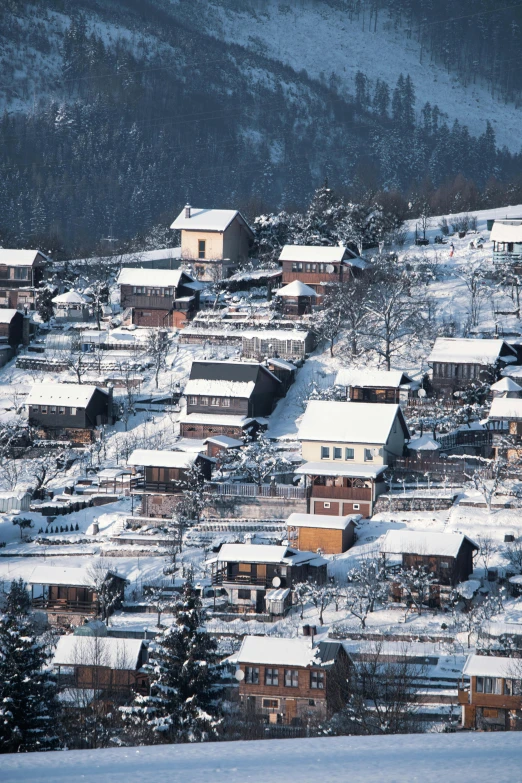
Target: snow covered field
x=405, y=759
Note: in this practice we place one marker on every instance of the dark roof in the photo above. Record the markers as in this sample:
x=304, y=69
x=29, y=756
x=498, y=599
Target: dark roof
x=242, y=372
x=327, y=652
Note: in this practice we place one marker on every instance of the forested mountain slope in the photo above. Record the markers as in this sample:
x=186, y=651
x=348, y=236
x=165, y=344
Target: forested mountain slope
x=117, y=111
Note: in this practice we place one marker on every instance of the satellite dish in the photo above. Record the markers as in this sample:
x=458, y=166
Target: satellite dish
x=422, y=393
x=330, y=269
x=239, y=675
x=276, y=582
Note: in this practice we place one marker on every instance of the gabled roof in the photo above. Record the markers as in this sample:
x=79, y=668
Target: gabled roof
x=237, y=372
x=296, y=288
x=71, y=297
x=506, y=231
x=469, y=351
x=214, y=388
x=493, y=666
x=155, y=458
x=509, y=408
x=424, y=443
x=7, y=315
x=153, y=278
x=317, y=253
x=413, y=542
x=347, y=422
x=76, y=395
x=506, y=385
x=58, y=575
x=208, y=220
x=225, y=441
x=262, y=553
x=122, y=654
x=325, y=521
x=390, y=379
x=298, y=651
x=20, y=257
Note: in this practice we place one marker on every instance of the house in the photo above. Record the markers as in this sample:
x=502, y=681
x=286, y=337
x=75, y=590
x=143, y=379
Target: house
x=459, y=362
x=221, y=443
x=108, y=666
x=167, y=298
x=319, y=266
x=250, y=573
x=68, y=411
x=448, y=556
x=215, y=241
x=164, y=474
x=282, y=369
x=226, y=398
x=321, y=532
x=506, y=387
x=493, y=699
x=347, y=449
x=72, y=306
x=505, y=421
x=506, y=236
x=291, y=681
x=11, y=327
x=259, y=344
x=391, y=386
x=70, y=595
x=295, y=299
x=20, y=272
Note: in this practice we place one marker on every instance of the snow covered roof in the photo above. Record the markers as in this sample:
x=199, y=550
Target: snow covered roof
x=277, y=595
x=413, y=542
x=208, y=219
x=71, y=297
x=506, y=408
x=391, y=379
x=262, y=553
x=283, y=364
x=325, y=521
x=211, y=418
x=155, y=458
x=342, y=422
x=296, y=288
x=7, y=315
x=506, y=385
x=506, y=231
x=297, y=335
x=219, y=388
x=123, y=654
x=58, y=575
x=225, y=441
x=493, y=666
x=20, y=257
x=424, y=443
x=272, y=650
x=351, y=469
x=469, y=351
x=244, y=372
x=152, y=278
x=513, y=371
x=314, y=253
x=75, y=394
x=255, y=274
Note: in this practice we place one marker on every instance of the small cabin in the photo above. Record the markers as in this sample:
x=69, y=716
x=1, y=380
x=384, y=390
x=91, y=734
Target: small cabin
x=11, y=327
x=161, y=298
x=21, y=268
x=295, y=299
x=72, y=306
x=460, y=362
x=389, y=386
x=492, y=699
x=506, y=236
x=69, y=410
x=219, y=444
x=319, y=266
x=322, y=533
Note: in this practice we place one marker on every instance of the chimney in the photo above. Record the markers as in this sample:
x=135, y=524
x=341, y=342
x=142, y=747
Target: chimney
x=187, y=211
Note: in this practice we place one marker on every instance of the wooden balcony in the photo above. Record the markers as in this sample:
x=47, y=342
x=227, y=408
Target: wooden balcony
x=63, y=605
x=244, y=580
x=163, y=487
x=311, y=278
x=341, y=493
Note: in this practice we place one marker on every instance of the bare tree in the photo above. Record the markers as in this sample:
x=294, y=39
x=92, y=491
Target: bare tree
x=474, y=280
x=489, y=480
x=367, y=586
x=416, y=583
x=105, y=587
x=75, y=359
x=320, y=596
x=257, y=460
x=487, y=550
x=157, y=348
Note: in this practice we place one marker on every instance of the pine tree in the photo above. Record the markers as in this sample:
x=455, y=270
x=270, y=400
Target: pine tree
x=185, y=701
x=28, y=704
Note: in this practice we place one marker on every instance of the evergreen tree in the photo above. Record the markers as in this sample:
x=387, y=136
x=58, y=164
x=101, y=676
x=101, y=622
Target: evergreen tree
x=28, y=704
x=185, y=701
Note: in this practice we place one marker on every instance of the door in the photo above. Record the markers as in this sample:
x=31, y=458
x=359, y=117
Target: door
x=291, y=710
x=261, y=573
x=260, y=601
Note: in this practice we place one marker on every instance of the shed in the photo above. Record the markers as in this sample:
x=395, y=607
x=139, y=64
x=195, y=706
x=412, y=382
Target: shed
x=449, y=556
x=14, y=500
x=329, y=534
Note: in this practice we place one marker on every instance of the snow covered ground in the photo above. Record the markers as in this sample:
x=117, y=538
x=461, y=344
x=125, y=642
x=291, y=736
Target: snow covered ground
x=405, y=759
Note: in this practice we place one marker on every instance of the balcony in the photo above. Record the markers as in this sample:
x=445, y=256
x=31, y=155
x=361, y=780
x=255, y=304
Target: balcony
x=244, y=580
x=63, y=605
x=163, y=487
x=341, y=493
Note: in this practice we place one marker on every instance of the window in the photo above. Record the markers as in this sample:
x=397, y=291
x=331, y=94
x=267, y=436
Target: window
x=317, y=680
x=349, y=454
x=488, y=685
x=444, y=564
x=245, y=568
x=325, y=452
x=193, y=400
x=53, y=408
x=356, y=506
x=244, y=595
x=311, y=702
x=272, y=677
x=326, y=504
x=271, y=704
x=368, y=456
x=203, y=401
x=252, y=675
x=225, y=402
x=43, y=409
x=21, y=273
x=291, y=678
x=72, y=411
x=215, y=402
x=337, y=452
x=201, y=248
x=35, y=408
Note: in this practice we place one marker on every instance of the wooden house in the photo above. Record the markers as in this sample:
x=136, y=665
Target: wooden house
x=390, y=386
x=108, y=666
x=295, y=299
x=72, y=306
x=347, y=449
x=68, y=411
x=70, y=595
x=293, y=681
x=448, y=556
x=11, y=327
x=163, y=477
x=492, y=701
x=20, y=272
x=227, y=397
x=221, y=443
x=164, y=298
x=251, y=572
x=459, y=362
x=318, y=266
x=506, y=236
x=213, y=241
x=505, y=422
x=320, y=532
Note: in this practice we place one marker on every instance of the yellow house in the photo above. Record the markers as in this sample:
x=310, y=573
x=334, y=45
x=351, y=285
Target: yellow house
x=216, y=241
x=348, y=447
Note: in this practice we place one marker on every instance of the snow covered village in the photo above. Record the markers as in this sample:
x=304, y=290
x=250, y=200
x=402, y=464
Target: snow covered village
x=260, y=394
